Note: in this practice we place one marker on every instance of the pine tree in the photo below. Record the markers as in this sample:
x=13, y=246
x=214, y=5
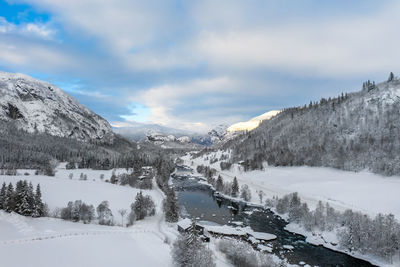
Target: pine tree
x=39, y=206
x=31, y=199
x=235, y=187
x=18, y=196
x=10, y=202
x=25, y=207
x=171, y=207
x=3, y=195
x=138, y=206
x=220, y=184
x=391, y=77
x=188, y=250
x=193, y=235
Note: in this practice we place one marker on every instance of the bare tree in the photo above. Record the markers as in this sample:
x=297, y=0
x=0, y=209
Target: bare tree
x=122, y=212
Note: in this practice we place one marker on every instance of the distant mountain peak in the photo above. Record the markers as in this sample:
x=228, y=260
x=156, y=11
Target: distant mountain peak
x=252, y=123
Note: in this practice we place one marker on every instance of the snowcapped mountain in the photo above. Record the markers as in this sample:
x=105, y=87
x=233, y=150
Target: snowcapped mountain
x=252, y=123
x=35, y=105
x=140, y=131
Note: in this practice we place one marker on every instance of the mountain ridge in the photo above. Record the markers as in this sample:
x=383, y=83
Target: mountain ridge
x=354, y=131
x=38, y=106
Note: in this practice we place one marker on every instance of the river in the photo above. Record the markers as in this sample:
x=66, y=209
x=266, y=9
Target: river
x=197, y=200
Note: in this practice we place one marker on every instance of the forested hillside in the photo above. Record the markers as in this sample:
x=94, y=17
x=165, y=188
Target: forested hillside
x=20, y=149
x=352, y=132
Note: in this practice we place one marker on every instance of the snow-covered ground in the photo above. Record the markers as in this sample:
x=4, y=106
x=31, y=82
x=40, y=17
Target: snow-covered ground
x=50, y=242
x=58, y=190
x=362, y=191
x=47, y=242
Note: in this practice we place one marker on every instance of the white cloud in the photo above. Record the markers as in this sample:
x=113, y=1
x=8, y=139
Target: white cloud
x=227, y=39
x=39, y=30
x=43, y=31
x=163, y=101
x=329, y=48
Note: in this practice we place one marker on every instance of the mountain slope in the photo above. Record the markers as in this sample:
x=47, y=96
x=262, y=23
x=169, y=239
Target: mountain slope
x=352, y=132
x=37, y=106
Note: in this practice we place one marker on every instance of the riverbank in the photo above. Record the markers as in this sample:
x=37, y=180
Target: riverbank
x=362, y=191
x=326, y=239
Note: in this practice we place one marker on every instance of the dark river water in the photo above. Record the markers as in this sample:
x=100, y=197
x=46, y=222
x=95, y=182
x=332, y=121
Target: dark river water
x=198, y=201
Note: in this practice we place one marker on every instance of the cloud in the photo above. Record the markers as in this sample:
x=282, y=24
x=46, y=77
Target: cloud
x=191, y=64
x=356, y=45
x=40, y=30
x=190, y=105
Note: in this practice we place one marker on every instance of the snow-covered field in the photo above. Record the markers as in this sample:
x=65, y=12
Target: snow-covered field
x=43, y=242
x=362, y=191
x=58, y=190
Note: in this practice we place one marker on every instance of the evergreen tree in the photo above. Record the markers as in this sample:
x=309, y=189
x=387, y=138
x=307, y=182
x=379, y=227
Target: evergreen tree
x=3, y=195
x=143, y=206
x=235, y=187
x=39, y=206
x=391, y=77
x=30, y=198
x=10, y=199
x=138, y=207
x=18, y=196
x=188, y=250
x=171, y=207
x=220, y=184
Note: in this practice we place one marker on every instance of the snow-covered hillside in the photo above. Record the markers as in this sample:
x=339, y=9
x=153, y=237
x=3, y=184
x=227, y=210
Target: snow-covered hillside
x=40, y=106
x=353, y=131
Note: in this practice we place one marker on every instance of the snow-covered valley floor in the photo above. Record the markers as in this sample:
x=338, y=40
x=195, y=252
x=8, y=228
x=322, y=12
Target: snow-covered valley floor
x=46, y=242
x=362, y=191
x=26, y=241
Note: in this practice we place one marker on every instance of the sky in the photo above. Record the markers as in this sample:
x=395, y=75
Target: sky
x=193, y=64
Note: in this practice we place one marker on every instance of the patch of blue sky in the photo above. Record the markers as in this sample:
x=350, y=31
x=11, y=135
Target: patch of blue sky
x=21, y=13
x=138, y=113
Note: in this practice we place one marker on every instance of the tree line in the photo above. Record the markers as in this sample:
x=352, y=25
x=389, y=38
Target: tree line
x=23, y=200
x=79, y=211
x=378, y=236
x=228, y=188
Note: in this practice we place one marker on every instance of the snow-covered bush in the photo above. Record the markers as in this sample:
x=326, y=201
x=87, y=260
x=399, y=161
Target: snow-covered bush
x=104, y=214
x=243, y=255
x=245, y=192
x=77, y=211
